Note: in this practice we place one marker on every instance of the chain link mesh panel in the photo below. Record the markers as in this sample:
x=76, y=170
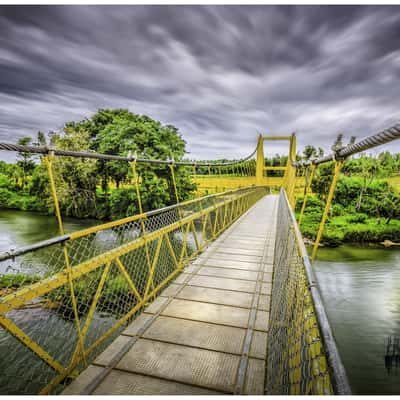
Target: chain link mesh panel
x=68, y=301
x=296, y=361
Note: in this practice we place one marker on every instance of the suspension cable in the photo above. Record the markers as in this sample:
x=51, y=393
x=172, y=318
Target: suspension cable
x=386, y=136
x=109, y=157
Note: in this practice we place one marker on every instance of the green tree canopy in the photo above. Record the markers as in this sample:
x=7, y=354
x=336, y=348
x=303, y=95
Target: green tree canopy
x=121, y=132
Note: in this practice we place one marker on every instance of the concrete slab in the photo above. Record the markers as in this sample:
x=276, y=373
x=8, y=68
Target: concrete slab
x=106, y=356
x=226, y=249
x=258, y=347
x=207, y=312
x=264, y=302
x=262, y=319
x=266, y=288
x=198, y=334
x=220, y=263
x=254, y=382
x=126, y=383
x=238, y=257
x=229, y=273
x=194, y=346
x=217, y=296
x=156, y=305
x=209, y=369
x=223, y=283
x=137, y=324
x=84, y=379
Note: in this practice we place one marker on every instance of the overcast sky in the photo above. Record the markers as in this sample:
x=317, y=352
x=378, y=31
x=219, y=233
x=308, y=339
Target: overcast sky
x=218, y=73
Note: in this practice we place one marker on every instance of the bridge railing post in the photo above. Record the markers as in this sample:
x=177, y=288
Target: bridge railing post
x=309, y=179
x=260, y=161
x=338, y=167
x=48, y=160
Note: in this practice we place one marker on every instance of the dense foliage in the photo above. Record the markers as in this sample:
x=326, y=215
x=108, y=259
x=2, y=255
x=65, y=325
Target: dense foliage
x=99, y=189
x=366, y=204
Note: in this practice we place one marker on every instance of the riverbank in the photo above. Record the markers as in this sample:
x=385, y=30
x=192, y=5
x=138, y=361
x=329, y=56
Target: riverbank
x=356, y=228
x=11, y=200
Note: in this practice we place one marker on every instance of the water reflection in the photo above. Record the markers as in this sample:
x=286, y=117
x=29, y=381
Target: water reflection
x=20, y=228
x=361, y=291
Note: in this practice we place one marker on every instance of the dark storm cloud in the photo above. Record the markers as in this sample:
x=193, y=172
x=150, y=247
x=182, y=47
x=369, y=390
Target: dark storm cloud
x=219, y=73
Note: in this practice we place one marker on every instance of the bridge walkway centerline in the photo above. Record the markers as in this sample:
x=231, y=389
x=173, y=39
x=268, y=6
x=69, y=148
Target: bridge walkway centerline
x=207, y=331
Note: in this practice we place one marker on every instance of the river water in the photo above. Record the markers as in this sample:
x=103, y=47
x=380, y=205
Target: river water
x=361, y=292
x=360, y=288
x=20, y=228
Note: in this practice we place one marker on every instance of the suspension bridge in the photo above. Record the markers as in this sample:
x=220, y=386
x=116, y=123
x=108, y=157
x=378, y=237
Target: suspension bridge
x=213, y=295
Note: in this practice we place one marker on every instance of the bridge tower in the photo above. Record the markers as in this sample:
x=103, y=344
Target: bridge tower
x=289, y=178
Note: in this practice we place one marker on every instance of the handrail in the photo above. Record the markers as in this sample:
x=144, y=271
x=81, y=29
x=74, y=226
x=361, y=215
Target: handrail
x=111, y=157
x=83, y=232
x=383, y=137
x=115, y=280
x=341, y=383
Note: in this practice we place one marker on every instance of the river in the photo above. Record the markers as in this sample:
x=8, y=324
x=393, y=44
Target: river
x=20, y=228
x=360, y=288
x=361, y=291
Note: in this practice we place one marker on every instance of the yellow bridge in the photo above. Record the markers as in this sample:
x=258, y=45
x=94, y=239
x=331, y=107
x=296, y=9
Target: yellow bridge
x=212, y=295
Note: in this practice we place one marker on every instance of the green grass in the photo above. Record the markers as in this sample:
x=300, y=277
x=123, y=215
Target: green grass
x=17, y=280
x=351, y=228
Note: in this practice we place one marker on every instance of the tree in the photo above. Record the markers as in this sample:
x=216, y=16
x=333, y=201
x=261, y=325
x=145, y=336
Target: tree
x=389, y=205
x=309, y=152
x=338, y=144
x=76, y=178
x=369, y=169
x=41, y=139
x=25, y=160
x=122, y=132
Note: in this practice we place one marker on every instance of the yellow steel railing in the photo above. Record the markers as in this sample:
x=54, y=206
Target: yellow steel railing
x=302, y=356
x=110, y=273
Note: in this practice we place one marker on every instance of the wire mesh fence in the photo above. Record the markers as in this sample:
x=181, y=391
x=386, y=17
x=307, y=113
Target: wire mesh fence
x=297, y=358
x=79, y=292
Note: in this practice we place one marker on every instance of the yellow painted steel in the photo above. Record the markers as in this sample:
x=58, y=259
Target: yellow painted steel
x=48, y=161
x=274, y=168
x=139, y=201
x=297, y=358
x=25, y=339
x=200, y=221
x=128, y=279
x=108, y=225
x=136, y=182
x=289, y=179
x=277, y=138
x=338, y=167
x=226, y=209
x=260, y=161
x=306, y=191
x=172, y=166
x=290, y=173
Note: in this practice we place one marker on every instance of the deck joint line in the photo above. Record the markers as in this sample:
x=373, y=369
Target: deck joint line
x=243, y=365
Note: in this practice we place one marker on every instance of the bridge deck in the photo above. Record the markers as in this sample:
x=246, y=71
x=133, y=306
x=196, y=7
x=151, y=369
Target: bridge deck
x=207, y=332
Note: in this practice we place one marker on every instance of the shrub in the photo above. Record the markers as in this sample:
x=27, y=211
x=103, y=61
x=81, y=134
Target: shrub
x=338, y=210
x=332, y=238
x=357, y=218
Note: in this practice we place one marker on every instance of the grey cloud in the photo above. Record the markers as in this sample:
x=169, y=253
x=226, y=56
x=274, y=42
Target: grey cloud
x=219, y=73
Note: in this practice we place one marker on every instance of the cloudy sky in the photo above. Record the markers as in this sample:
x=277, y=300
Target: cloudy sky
x=218, y=73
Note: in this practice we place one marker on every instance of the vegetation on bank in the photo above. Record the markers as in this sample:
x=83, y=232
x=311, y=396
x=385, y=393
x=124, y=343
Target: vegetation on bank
x=366, y=206
x=93, y=188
